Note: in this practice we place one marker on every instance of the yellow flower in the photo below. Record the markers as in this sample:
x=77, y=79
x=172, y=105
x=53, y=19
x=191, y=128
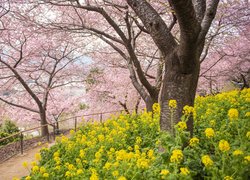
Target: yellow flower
x=233, y=114
x=42, y=170
x=248, y=135
x=35, y=169
x=193, y=141
x=94, y=176
x=212, y=122
x=156, y=107
x=82, y=153
x=247, y=159
x=101, y=137
x=138, y=140
x=15, y=178
x=224, y=146
x=136, y=147
x=187, y=110
x=38, y=156
x=142, y=163
x=177, y=156
x=206, y=160
x=56, y=154
x=184, y=171
x=28, y=178
x=151, y=153
x=122, y=178
x=57, y=168
x=79, y=171
x=25, y=164
x=46, y=175
x=247, y=114
x=107, y=165
x=33, y=163
x=182, y=125
x=68, y=174
x=115, y=173
x=238, y=152
x=228, y=178
x=172, y=103
x=209, y=132
x=164, y=172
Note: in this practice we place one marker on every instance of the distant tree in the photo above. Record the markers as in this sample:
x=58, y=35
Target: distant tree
x=31, y=72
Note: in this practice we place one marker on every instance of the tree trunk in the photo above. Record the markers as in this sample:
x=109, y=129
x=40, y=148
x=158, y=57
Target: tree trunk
x=178, y=86
x=150, y=102
x=44, y=129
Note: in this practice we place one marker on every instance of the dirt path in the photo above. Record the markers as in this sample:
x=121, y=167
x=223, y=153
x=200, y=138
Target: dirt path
x=13, y=167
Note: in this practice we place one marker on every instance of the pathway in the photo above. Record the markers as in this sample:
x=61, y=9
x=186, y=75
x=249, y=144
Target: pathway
x=13, y=167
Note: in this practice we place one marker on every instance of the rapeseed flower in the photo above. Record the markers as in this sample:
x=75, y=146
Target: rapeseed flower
x=212, y=122
x=68, y=174
x=45, y=175
x=172, y=104
x=107, y=165
x=209, y=132
x=79, y=171
x=42, y=170
x=248, y=135
x=177, y=156
x=193, y=141
x=35, y=169
x=238, y=152
x=188, y=110
x=156, y=108
x=33, y=163
x=228, y=178
x=224, y=145
x=207, y=161
x=115, y=173
x=142, y=163
x=247, y=114
x=164, y=172
x=151, y=153
x=38, y=156
x=82, y=153
x=233, y=114
x=25, y=164
x=27, y=178
x=122, y=178
x=184, y=171
x=182, y=125
x=247, y=159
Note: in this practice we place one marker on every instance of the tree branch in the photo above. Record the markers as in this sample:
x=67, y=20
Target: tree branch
x=154, y=25
x=208, y=18
x=19, y=106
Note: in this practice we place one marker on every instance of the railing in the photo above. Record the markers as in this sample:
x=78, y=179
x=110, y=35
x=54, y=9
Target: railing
x=55, y=127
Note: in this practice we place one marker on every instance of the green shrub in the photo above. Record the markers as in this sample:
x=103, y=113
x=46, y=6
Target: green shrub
x=7, y=128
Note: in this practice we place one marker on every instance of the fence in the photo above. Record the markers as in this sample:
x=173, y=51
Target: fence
x=55, y=126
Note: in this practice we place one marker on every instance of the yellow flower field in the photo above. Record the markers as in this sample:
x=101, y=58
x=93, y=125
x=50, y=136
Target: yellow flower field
x=133, y=147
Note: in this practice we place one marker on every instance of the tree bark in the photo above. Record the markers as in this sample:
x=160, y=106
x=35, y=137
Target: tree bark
x=178, y=86
x=44, y=129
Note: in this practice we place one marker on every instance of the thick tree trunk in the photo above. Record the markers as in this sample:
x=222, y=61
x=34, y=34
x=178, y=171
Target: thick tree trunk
x=44, y=129
x=178, y=86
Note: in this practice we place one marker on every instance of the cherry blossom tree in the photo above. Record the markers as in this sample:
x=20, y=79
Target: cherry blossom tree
x=120, y=23
x=35, y=71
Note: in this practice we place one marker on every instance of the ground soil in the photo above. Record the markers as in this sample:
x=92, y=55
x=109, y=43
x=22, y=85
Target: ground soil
x=13, y=167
